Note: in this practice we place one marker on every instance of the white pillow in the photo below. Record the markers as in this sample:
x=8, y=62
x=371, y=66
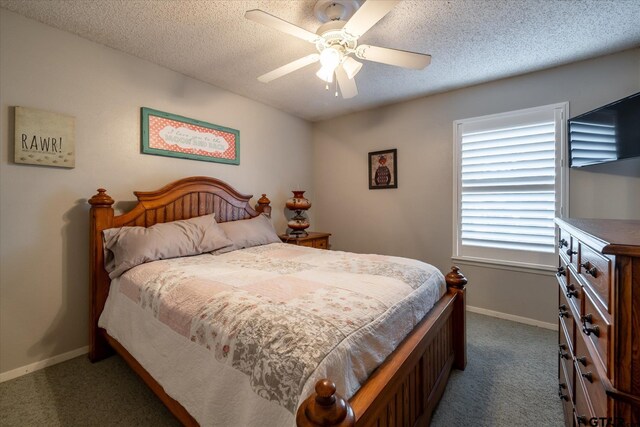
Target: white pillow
x=127, y=247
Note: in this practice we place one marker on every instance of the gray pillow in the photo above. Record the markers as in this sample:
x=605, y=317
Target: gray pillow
x=127, y=247
x=247, y=233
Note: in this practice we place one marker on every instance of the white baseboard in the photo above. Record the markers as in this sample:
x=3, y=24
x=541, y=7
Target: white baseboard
x=514, y=318
x=18, y=372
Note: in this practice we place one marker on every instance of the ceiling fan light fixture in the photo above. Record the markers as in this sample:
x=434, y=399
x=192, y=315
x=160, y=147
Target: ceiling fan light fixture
x=330, y=58
x=326, y=74
x=336, y=42
x=351, y=66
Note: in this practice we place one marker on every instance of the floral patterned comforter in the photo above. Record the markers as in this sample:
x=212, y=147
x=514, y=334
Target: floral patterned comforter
x=274, y=313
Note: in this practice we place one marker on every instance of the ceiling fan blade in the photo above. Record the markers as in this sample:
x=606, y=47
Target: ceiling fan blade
x=269, y=20
x=367, y=15
x=348, y=86
x=289, y=68
x=399, y=58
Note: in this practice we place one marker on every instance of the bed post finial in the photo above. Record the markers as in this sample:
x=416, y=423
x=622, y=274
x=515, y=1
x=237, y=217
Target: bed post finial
x=455, y=279
x=101, y=200
x=263, y=205
x=325, y=408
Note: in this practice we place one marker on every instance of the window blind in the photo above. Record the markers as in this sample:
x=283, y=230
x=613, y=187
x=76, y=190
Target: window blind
x=508, y=187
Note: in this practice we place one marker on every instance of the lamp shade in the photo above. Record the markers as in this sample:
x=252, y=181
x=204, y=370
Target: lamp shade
x=325, y=74
x=330, y=58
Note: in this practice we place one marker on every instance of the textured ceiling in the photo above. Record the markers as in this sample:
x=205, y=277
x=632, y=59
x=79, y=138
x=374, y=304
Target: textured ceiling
x=470, y=42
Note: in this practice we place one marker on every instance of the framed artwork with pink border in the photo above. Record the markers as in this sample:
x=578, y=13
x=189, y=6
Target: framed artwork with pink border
x=166, y=134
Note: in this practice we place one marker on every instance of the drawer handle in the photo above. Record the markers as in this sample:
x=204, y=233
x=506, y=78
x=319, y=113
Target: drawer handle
x=562, y=242
x=582, y=420
x=593, y=271
x=582, y=360
x=561, y=354
x=595, y=330
x=561, y=272
x=562, y=311
x=588, y=376
x=571, y=252
x=572, y=292
x=561, y=395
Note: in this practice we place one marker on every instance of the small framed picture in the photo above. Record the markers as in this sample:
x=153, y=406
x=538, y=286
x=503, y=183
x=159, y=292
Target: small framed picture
x=383, y=169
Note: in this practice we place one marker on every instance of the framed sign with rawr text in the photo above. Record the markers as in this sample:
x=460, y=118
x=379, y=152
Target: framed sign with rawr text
x=44, y=138
x=166, y=134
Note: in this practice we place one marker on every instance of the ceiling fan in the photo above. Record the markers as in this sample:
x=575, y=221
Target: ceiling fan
x=336, y=41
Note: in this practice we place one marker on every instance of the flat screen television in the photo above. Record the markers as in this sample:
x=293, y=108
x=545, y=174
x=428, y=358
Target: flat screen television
x=606, y=134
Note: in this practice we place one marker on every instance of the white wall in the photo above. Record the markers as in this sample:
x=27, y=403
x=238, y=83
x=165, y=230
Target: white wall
x=44, y=212
x=415, y=220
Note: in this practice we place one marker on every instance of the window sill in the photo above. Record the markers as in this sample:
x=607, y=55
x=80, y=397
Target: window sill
x=544, y=270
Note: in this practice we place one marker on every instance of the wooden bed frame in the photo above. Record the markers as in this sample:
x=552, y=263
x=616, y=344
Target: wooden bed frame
x=404, y=390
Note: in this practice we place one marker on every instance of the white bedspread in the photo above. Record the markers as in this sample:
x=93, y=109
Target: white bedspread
x=240, y=339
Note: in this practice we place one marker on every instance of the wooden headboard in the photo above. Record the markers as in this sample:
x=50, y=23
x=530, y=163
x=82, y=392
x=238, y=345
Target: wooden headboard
x=182, y=199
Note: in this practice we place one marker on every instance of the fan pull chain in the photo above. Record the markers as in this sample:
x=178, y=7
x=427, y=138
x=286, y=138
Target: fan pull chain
x=336, y=84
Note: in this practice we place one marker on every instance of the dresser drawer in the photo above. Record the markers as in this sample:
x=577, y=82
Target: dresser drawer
x=565, y=394
x=562, y=272
x=313, y=239
x=574, y=293
x=587, y=371
x=564, y=351
x=564, y=243
x=595, y=327
x=321, y=243
x=565, y=358
x=583, y=411
x=596, y=271
x=566, y=322
x=571, y=253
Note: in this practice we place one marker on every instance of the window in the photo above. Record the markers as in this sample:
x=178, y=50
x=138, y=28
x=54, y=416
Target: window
x=510, y=182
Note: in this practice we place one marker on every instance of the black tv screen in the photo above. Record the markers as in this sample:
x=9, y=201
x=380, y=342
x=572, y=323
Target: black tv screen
x=606, y=134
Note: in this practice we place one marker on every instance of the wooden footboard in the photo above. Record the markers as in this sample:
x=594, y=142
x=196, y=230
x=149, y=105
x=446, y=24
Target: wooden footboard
x=407, y=387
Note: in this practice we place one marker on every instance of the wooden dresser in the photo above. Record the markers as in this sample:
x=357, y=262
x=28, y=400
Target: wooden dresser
x=313, y=239
x=599, y=321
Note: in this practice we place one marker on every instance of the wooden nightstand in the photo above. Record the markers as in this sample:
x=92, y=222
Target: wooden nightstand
x=313, y=240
